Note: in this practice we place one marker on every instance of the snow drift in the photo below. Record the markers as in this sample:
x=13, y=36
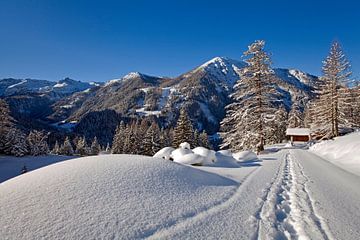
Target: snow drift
x=106, y=197
x=342, y=151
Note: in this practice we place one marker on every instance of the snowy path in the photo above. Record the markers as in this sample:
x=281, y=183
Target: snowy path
x=286, y=198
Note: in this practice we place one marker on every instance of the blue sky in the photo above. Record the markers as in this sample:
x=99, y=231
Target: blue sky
x=101, y=40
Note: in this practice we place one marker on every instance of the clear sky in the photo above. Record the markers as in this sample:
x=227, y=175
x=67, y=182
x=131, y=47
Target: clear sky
x=101, y=40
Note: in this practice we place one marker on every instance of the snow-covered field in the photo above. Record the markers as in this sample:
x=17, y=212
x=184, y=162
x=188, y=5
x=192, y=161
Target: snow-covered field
x=342, y=151
x=11, y=166
x=287, y=194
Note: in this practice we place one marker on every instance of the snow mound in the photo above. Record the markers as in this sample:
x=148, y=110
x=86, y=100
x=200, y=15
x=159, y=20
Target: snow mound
x=185, y=145
x=245, y=156
x=209, y=155
x=225, y=153
x=178, y=153
x=106, y=197
x=224, y=159
x=164, y=153
x=342, y=151
x=191, y=159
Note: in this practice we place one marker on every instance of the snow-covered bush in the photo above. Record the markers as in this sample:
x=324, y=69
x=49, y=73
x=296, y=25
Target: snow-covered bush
x=209, y=155
x=164, y=153
x=245, y=156
x=179, y=153
x=224, y=158
x=185, y=145
x=191, y=159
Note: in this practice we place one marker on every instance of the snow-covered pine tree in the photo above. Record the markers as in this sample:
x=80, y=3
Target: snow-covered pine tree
x=140, y=132
x=119, y=139
x=37, y=142
x=151, y=143
x=81, y=147
x=165, y=140
x=56, y=149
x=328, y=115
x=16, y=143
x=67, y=148
x=250, y=117
x=183, y=132
x=5, y=123
x=295, y=119
x=204, y=140
x=95, y=147
x=196, y=141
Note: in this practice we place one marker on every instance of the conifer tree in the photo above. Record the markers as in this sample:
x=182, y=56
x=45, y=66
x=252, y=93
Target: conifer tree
x=295, y=119
x=67, y=148
x=37, y=142
x=119, y=139
x=183, y=132
x=151, y=143
x=197, y=141
x=329, y=113
x=81, y=147
x=16, y=143
x=204, y=140
x=5, y=123
x=249, y=118
x=95, y=147
x=56, y=149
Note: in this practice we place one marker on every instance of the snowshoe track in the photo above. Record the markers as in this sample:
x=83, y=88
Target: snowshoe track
x=288, y=210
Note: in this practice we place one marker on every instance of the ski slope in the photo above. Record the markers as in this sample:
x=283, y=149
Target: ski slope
x=288, y=194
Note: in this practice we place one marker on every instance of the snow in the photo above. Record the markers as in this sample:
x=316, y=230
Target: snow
x=205, y=109
x=17, y=84
x=178, y=153
x=190, y=159
x=107, y=197
x=142, y=111
x=184, y=145
x=223, y=68
x=298, y=131
x=164, y=153
x=11, y=166
x=343, y=151
x=245, y=156
x=60, y=85
x=208, y=155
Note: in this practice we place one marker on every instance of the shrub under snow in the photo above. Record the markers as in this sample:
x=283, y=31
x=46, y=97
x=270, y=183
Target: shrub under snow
x=164, y=153
x=204, y=156
x=245, y=156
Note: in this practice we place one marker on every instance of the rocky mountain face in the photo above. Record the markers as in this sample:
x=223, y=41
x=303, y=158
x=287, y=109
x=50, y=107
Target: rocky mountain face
x=203, y=92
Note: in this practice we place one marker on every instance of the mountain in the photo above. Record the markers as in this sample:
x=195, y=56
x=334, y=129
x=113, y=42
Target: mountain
x=11, y=87
x=203, y=92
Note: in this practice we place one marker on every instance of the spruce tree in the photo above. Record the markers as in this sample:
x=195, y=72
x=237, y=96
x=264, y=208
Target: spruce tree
x=151, y=143
x=183, y=132
x=119, y=139
x=95, y=147
x=37, y=142
x=81, y=147
x=295, y=119
x=5, y=123
x=16, y=143
x=67, y=148
x=56, y=149
x=250, y=116
x=204, y=140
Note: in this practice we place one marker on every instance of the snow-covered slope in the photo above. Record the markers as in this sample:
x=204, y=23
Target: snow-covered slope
x=10, y=86
x=106, y=197
x=342, y=151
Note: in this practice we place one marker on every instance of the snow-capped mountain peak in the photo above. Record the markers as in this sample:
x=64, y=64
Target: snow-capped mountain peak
x=222, y=68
